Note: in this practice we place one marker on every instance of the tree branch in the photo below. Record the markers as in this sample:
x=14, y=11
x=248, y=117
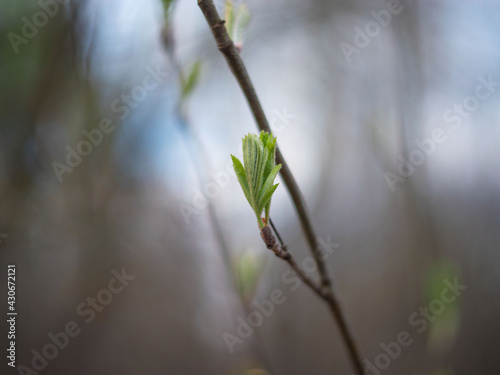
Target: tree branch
x=281, y=251
x=233, y=59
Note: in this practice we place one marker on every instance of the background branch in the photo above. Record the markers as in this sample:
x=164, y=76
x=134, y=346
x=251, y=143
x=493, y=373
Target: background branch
x=201, y=162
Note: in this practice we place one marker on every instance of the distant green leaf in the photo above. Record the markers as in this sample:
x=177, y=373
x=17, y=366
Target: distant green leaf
x=166, y=6
x=190, y=82
x=247, y=267
x=444, y=329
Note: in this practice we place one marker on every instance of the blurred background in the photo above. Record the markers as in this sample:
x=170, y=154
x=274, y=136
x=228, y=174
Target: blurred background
x=117, y=119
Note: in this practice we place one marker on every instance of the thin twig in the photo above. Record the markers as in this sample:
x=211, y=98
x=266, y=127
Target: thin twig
x=281, y=251
x=226, y=46
x=235, y=63
x=326, y=294
x=277, y=233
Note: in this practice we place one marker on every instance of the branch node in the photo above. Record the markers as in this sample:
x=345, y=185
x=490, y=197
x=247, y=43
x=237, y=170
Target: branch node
x=268, y=237
x=218, y=24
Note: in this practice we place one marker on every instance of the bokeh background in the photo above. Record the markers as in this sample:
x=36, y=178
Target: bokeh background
x=146, y=197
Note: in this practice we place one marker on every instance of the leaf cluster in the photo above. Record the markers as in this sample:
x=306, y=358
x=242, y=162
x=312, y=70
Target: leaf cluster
x=257, y=173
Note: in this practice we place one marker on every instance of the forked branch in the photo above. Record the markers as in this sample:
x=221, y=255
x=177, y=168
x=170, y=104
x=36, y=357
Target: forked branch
x=281, y=251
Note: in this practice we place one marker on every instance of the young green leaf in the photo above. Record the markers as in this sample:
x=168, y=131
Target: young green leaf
x=257, y=173
x=264, y=136
x=254, y=160
x=267, y=198
x=266, y=186
x=270, y=144
x=242, y=178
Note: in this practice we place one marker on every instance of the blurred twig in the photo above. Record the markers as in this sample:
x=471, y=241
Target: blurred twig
x=201, y=162
x=235, y=63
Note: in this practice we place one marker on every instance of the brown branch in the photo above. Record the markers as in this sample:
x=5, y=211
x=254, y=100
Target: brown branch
x=235, y=63
x=225, y=45
x=325, y=293
x=329, y=297
x=281, y=251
